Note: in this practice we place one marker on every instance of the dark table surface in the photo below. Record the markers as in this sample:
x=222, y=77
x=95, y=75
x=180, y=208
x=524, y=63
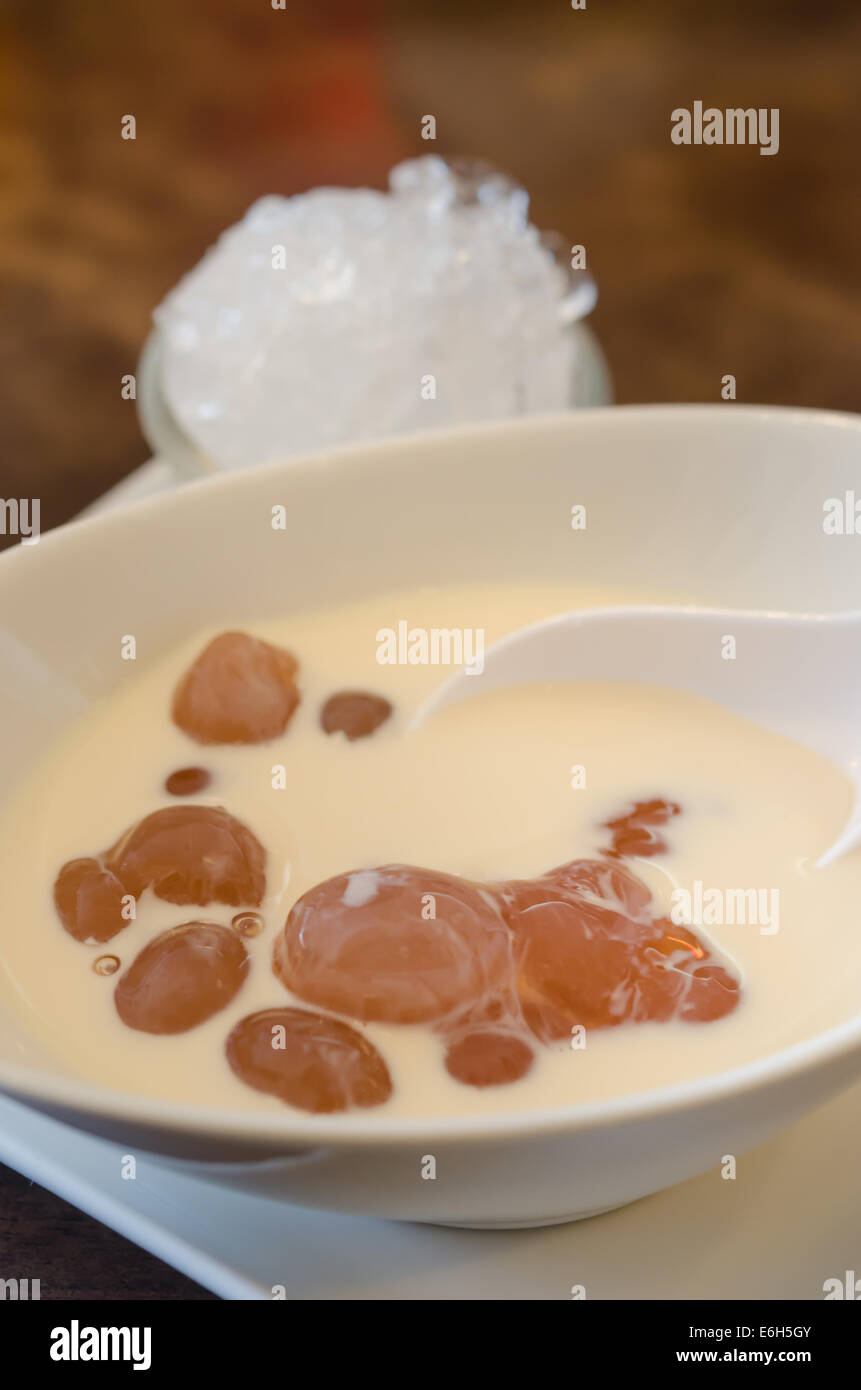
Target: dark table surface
x=710, y=259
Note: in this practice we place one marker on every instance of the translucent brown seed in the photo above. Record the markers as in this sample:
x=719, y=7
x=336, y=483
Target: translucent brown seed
x=187, y=781
x=89, y=900
x=636, y=832
x=181, y=978
x=596, y=965
x=308, y=1060
x=354, y=713
x=396, y=944
x=488, y=1059
x=239, y=690
x=191, y=854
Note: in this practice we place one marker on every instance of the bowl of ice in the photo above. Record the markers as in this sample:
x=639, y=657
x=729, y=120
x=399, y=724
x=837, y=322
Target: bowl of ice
x=347, y=314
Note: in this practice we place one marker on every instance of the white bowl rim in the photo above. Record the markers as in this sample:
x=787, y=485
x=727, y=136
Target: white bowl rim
x=729, y=416
x=365, y=1130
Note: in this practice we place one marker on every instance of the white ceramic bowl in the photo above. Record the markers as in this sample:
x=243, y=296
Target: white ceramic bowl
x=719, y=505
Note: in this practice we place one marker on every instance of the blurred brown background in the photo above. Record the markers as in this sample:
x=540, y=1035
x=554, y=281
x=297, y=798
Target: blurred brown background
x=710, y=259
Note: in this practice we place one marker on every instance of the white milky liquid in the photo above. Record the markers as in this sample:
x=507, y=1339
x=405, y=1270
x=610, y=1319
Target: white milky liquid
x=484, y=790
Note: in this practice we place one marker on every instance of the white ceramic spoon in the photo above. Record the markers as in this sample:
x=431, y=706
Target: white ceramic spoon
x=797, y=674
